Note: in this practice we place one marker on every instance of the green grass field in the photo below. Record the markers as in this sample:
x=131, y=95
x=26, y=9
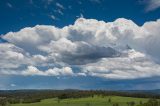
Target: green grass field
x=95, y=101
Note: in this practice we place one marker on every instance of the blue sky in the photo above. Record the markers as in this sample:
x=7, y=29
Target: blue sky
x=22, y=13
x=79, y=44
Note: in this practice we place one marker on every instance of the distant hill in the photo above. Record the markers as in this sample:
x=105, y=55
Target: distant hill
x=156, y=91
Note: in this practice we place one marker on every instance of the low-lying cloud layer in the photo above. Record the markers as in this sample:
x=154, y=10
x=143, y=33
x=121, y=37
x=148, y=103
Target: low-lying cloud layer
x=112, y=50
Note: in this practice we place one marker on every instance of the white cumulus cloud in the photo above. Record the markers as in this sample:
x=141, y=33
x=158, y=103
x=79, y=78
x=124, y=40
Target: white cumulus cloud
x=114, y=50
x=32, y=71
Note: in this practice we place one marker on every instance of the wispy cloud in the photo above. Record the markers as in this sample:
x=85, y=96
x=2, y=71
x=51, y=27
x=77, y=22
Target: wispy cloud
x=69, y=7
x=60, y=6
x=9, y=5
x=59, y=11
x=80, y=16
x=79, y=2
x=96, y=1
x=53, y=17
x=152, y=5
x=31, y=1
x=13, y=85
x=49, y=1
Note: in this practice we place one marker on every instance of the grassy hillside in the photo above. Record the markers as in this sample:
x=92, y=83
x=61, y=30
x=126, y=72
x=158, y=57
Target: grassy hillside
x=95, y=101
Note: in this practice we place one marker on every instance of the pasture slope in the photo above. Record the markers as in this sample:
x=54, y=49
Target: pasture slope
x=90, y=101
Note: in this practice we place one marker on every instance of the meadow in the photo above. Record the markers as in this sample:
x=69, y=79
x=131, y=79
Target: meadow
x=89, y=101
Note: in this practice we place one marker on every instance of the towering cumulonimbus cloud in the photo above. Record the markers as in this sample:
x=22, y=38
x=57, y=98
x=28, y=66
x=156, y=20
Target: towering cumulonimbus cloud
x=113, y=50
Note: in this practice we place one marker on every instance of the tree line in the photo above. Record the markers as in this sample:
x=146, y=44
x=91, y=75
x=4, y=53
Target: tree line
x=32, y=96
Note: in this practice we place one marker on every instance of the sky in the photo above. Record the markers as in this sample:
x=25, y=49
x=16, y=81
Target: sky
x=80, y=44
